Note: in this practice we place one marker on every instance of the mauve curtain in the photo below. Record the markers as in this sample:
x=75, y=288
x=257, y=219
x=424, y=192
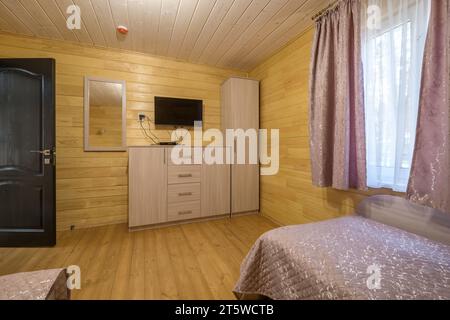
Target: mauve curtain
x=430, y=176
x=337, y=137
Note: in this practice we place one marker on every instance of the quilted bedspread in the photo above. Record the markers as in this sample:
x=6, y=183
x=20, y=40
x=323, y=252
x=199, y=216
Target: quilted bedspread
x=347, y=258
x=38, y=285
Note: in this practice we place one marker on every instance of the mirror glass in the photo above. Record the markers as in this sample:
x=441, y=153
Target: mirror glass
x=105, y=118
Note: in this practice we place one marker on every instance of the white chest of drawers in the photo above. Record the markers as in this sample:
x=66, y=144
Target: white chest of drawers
x=162, y=192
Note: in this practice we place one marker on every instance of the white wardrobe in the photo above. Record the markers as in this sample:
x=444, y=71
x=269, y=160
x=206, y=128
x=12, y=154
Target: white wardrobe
x=240, y=110
x=161, y=192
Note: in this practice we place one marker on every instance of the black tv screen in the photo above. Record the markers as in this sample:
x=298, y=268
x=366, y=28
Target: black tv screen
x=178, y=112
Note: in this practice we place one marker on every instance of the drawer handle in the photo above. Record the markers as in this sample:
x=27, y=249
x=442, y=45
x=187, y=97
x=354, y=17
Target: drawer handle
x=185, y=175
x=183, y=213
x=185, y=194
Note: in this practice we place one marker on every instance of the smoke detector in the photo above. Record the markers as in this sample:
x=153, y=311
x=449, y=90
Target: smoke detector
x=122, y=30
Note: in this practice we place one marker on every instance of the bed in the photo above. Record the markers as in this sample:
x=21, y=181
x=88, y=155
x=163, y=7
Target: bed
x=391, y=249
x=38, y=285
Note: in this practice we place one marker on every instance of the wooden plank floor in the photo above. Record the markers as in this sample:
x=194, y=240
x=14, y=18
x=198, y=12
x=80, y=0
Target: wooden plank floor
x=193, y=261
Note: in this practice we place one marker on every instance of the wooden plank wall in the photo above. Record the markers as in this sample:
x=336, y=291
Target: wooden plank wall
x=92, y=188
x=289, y=197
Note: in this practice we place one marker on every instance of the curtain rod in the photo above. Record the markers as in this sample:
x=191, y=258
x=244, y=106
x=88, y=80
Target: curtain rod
x=325, y=10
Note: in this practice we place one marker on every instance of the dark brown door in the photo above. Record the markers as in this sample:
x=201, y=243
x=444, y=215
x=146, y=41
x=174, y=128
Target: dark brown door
x=27, y=153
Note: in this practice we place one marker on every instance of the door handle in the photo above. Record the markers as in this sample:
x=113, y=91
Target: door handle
x=46, y=153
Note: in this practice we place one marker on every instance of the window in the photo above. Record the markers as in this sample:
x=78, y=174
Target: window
x=392, y=56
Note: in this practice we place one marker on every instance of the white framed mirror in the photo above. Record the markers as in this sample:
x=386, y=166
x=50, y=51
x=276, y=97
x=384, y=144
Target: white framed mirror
x=105, y=115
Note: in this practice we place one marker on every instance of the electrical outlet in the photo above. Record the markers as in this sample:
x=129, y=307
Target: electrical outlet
x=142, y=117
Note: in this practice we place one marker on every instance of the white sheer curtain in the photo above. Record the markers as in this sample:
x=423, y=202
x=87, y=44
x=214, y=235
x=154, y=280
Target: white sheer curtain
x=393, y=49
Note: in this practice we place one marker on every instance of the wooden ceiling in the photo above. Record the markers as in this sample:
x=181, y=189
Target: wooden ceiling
x=237, y=34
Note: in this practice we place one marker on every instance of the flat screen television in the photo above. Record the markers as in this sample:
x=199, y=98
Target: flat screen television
x=178, y=112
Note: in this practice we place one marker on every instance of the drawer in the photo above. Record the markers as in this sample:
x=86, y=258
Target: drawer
x=184, y=211
x=184, y=174
x=184, y=193
x=189, y=159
